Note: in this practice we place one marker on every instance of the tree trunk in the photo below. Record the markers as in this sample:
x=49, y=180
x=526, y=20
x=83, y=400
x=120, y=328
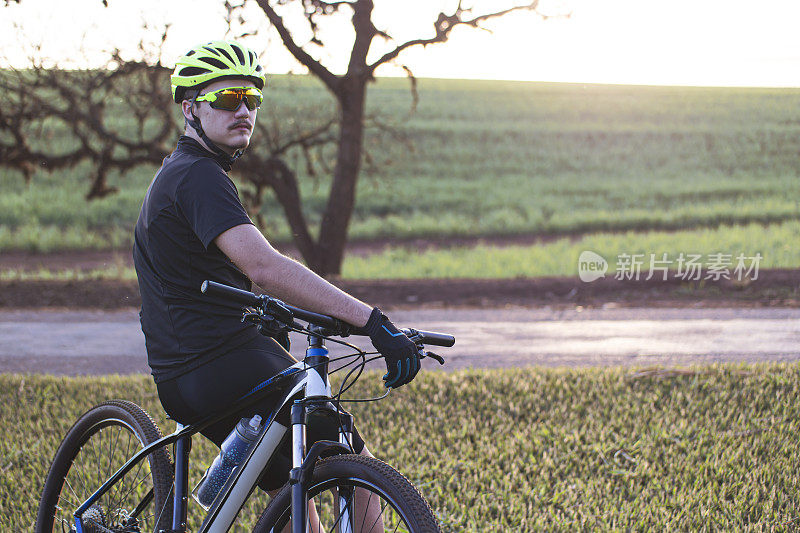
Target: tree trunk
x=288, y=195
x=336, y=219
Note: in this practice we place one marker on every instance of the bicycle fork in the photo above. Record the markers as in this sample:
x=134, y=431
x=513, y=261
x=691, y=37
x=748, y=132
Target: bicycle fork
x=317, y=397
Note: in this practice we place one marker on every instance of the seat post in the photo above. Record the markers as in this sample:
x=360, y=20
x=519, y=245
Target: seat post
x=180, y=503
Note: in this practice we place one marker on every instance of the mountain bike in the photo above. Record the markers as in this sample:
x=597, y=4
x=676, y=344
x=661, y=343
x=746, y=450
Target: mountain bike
x=97, y=484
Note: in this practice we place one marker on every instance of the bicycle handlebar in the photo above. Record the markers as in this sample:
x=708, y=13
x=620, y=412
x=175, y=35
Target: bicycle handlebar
x=267, y=303
x=430, y=337
x=239, y=296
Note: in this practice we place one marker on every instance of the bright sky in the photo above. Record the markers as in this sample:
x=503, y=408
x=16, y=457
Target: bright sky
x=670, y=42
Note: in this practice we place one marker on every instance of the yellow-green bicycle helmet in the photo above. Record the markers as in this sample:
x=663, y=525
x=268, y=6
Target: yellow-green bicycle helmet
x=216, y=60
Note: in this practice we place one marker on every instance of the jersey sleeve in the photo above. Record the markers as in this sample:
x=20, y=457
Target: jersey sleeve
x=209, y=201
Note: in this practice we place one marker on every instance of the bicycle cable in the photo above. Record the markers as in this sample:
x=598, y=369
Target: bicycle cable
x=360, y=360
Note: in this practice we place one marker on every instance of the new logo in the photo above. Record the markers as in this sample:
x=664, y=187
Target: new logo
x=591, y=266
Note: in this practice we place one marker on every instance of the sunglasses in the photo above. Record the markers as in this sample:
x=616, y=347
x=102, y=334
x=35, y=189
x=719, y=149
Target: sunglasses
x=230, y=98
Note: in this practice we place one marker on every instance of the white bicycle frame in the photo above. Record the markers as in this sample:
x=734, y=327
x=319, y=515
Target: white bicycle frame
x=314, y=384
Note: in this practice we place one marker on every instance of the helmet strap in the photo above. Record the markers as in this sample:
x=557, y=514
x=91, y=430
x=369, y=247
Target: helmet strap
x=198, y=127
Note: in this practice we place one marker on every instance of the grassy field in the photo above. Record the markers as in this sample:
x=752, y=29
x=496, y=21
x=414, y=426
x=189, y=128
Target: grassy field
x=713, y=448
x=499, y=158
x=774, y=243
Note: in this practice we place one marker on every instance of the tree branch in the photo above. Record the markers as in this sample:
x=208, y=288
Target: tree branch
x=315, y=67
x=310, y=138
x=365, y=32
x=444, y=25
x=414, y=94
x=316, y=8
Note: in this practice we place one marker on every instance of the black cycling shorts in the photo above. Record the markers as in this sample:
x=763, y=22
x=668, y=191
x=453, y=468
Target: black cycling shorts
x=224, y=380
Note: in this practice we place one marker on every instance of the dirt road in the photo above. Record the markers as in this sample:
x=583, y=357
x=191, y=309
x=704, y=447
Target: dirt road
x=102, y=342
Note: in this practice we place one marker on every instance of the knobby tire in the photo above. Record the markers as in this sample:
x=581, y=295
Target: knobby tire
x=69, y=483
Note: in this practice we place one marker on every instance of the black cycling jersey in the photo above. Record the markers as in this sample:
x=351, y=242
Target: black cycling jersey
x=203, y=358
x=189, y=203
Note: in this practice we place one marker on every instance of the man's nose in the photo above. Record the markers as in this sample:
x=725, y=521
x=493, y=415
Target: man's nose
x=242, y=111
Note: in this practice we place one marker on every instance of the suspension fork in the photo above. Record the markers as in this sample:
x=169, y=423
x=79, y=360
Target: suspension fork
x=346, y=495
x=316, y=361
x=303, y=469
x=296, y=477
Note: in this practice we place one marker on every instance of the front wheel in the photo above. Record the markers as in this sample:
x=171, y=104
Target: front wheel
x=354, y=494
x=99, y=443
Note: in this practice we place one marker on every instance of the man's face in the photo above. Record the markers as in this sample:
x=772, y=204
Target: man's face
x=230, y=130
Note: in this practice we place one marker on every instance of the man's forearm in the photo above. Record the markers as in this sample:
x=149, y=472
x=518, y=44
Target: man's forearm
x=285, y=278
x=292, y=282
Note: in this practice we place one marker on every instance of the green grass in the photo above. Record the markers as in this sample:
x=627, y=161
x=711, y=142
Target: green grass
x=775, y=244
x=496, y=158
x=715, y=448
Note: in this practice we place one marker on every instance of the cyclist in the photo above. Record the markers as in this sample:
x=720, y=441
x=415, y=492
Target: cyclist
x=192, y=227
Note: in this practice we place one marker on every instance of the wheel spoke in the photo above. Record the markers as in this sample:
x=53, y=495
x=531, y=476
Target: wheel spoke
x=337, y=506
x=135, y=485
x=379, y=517
x=118, y=497
x=82, y=477
x=111, y=448
x=103, y=440
x=366, y=510
x=165, y=505
x=69, y=485
x=332, y=502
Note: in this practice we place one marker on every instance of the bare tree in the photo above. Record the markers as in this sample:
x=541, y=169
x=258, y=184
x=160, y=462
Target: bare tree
x=122, y=115
x=82, y=104
x=57, y=118
x=350, y=91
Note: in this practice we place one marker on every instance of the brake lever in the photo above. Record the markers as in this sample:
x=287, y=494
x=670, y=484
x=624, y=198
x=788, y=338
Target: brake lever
x=423, y=354
x=251, y=317
x=278, y=310
x=437, y=357
x=266, y=323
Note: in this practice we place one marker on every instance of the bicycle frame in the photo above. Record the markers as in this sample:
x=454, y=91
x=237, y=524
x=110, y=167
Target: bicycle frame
x=305, y=387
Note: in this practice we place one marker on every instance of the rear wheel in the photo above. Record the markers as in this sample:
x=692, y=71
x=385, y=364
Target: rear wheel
x=100, y=442
x=355, y=494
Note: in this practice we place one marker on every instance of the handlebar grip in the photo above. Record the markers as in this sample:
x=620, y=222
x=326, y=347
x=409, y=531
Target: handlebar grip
x=431, y=337
x=438, y=339
x=239, y=296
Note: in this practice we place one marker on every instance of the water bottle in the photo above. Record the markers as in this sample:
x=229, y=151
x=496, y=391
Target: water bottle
x=234, y=450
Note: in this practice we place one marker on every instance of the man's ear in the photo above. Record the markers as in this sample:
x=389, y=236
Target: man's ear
x=186, y=107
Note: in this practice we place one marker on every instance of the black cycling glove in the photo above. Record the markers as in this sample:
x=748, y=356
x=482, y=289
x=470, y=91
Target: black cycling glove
x=402, y=355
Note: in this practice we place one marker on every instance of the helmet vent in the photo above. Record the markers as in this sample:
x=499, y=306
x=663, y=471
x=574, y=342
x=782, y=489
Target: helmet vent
x=226, y=54
x=212, y=50
x=193, y=71
x=214, y=62
x=238, y=52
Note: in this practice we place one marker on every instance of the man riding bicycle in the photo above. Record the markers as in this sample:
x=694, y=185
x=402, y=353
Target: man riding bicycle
x=192, y=227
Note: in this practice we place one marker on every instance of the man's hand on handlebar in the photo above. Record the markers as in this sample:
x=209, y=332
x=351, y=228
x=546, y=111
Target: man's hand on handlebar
x=402, y=355
x=401, y=349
